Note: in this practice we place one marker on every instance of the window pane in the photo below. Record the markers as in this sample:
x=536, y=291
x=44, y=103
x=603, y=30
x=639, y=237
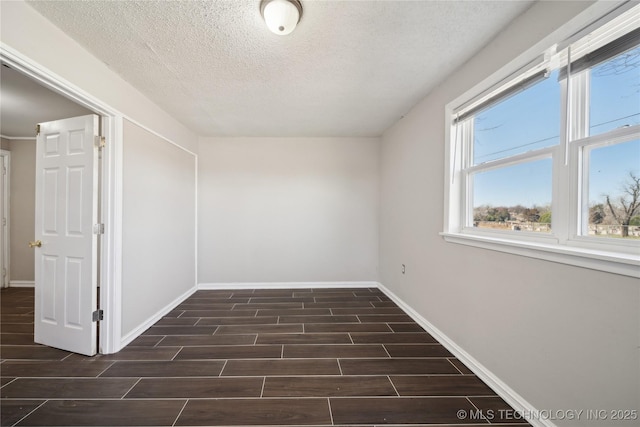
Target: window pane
x=615, y=93
x=514, y=197
x=614, y=191
x=526, y=121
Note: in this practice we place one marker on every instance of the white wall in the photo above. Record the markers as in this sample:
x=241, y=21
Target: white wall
x=22, y=209
x=159, y=222
x=288, y=210
x=562, y=337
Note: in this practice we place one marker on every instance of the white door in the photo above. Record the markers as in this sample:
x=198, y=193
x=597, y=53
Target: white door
x=65, y=244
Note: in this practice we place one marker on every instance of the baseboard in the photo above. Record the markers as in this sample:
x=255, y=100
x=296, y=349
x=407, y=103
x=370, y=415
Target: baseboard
x=517, y=402
x=22, y=284
x=287, y=285
x=125, y=340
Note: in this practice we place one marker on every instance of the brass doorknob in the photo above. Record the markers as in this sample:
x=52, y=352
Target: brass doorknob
x=35, y=244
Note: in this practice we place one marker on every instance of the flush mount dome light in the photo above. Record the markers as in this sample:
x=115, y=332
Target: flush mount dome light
x=281, y=16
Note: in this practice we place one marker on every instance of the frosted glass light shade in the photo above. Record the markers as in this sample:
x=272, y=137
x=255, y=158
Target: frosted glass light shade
x=281, y=16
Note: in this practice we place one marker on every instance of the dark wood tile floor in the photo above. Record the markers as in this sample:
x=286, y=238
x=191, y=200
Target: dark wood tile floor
x=318, y=357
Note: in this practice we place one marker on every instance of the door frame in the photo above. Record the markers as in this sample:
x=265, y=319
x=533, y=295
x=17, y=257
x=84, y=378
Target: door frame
x=6, y=207
x=110, y=211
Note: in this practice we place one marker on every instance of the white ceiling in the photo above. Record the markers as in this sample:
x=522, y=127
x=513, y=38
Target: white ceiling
x=351, y=68
x=24, y=103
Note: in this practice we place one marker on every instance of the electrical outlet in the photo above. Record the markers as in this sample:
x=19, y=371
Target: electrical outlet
x=403, y=268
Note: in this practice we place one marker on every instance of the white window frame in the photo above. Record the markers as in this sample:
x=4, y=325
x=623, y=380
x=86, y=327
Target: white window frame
x=566, y=243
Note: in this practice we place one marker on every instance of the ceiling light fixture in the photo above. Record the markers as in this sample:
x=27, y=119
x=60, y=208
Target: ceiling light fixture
x=281, y=16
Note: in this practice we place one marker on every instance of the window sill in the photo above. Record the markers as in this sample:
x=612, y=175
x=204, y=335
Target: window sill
x=611, y=262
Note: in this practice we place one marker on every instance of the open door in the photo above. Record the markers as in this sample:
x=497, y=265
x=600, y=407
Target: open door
x=66, y=234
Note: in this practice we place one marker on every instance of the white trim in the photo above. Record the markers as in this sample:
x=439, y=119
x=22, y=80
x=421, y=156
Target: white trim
x=126, y=339
x=517, y=402
x=111, y=241
x=287, y=285
x=22, y=284
x=612, y=262
x=18, y=138
x=6, y=195
x=196, y=224
x=140, y=125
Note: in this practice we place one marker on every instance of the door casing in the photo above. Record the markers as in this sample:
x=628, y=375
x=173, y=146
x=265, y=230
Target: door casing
x=5, y=242
x=110, y=250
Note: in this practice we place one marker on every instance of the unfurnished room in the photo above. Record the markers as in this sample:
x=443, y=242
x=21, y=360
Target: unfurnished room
x=320, y=213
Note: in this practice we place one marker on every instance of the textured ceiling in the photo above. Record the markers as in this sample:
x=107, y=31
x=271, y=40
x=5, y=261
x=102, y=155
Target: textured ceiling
x=351, y=68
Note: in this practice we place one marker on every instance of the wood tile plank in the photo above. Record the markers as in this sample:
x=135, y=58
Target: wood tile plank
x=398, y=411
x=181, y=330
x=231, y=352
x=327, y=386
x=295, y=312
x=259, y=329
x=177, y=321
x=448, y=385
x=346, y=327
x=133, y=353
x=417, y=350
x=53, y=369
x=105, y=413
x=393, y=338
x=461, y=366
x=396, y=366
x=154, y=388
x=32, y=352
x=386, y=318
x=17, y=339
x=218, y=313
x=319, y=319
x=303, y=339
x=338, y=304
x=276, y=412
x=17, y=328
x=368, y=310
x=333, y=351
x=145, y=341
x=178, y=368
x=281, y=367
x=270, y=306
x=12, y=411
x=67, y=388
x=405, y=327
x=264, y=320
x=200, y=340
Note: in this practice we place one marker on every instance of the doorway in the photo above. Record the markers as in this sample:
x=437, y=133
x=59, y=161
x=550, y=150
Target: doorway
x=22, y=79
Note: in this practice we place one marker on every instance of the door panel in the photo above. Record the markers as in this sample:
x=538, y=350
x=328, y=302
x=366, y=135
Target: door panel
x=66, y=210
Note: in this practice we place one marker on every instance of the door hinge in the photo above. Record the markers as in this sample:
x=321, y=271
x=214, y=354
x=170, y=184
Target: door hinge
x=97, y=315
x=4, y=272
x=100, y=141
x=37, y=130
x=98, y=228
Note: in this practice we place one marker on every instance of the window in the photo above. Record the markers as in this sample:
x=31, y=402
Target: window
x=550, y=158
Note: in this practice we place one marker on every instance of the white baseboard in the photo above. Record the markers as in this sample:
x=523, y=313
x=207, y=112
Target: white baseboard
x=22, y=284
x=517, y=402
x=287, y=285
x=126, y=339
